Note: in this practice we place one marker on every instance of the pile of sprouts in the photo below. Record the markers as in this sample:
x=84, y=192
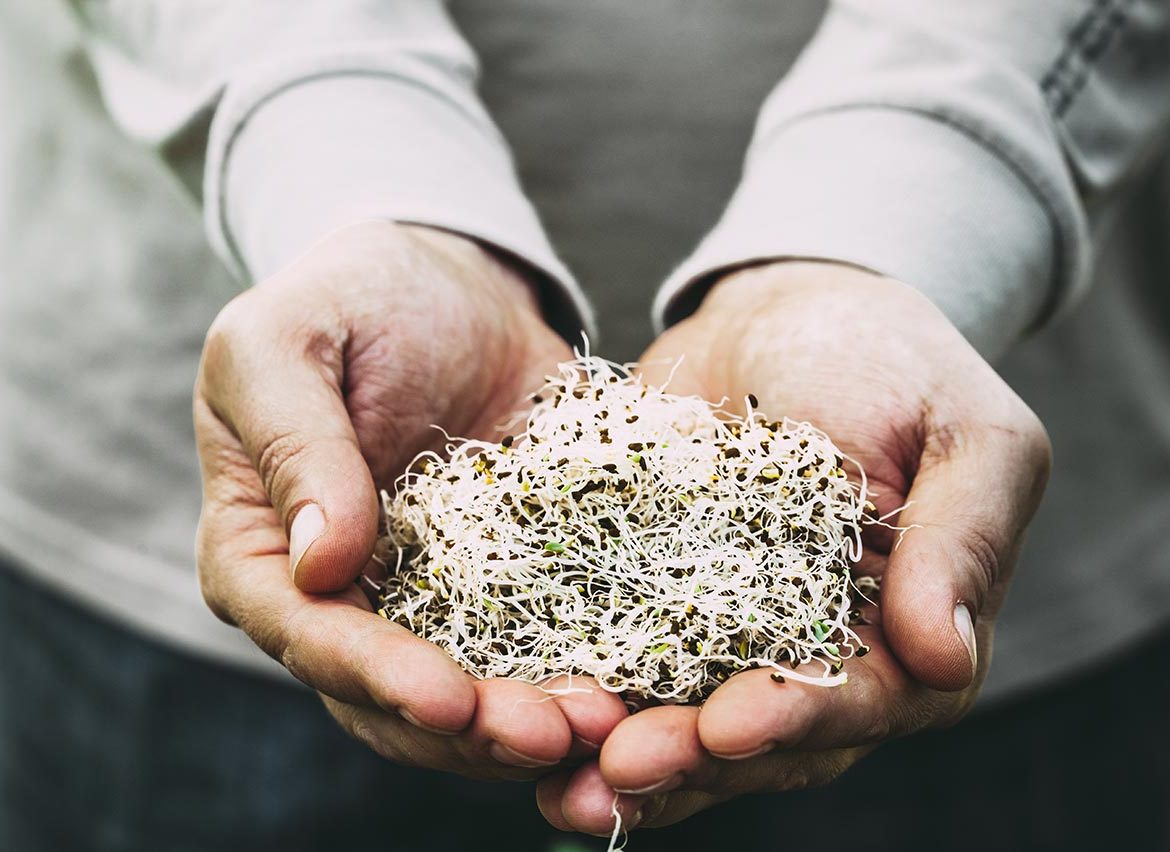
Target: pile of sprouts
x=653, y=541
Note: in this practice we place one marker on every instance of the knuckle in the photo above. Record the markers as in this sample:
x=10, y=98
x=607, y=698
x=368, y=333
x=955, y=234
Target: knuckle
x=289, y=641
x=1025, y=426
x=983, y=553
x=365, y=734
x=359, y=726
x=816, y=770
x=1021, y=429
x=887, y=695
x=229, y=346
x=279, y=461
x=226, y=330
x=881, y=724
x=394, y=750
x=796, y=778
x=1037, y=445
x=881, y=727
x=290, y=658
x=1033, y=429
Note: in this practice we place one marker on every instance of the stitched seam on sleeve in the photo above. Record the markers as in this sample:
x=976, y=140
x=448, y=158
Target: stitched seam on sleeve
x=1088, y=40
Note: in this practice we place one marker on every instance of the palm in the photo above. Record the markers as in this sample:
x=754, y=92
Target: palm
x=458, y=354
x=809, y=371
x=316, y=387
x=876, y=367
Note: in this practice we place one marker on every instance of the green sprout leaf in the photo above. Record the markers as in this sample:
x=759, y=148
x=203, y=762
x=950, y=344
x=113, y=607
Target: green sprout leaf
x=554, y=547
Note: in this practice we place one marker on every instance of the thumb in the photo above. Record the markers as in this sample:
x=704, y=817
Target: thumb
x=970, y=502
x=333, y=520
x=290, y=416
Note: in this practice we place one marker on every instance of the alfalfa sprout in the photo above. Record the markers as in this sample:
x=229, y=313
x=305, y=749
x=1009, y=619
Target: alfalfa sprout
x=654, y=541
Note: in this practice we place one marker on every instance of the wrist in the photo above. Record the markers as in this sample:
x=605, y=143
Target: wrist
x=834, y=285
x=824, y=307
x=517, y=280
x=762, y=284
x=408, y=254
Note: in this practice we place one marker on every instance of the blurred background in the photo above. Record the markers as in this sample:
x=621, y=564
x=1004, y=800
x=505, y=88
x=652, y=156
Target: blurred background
x=131, y=719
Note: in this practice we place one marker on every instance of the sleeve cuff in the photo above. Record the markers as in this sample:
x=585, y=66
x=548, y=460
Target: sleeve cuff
x=337, y=148
x=902, y=193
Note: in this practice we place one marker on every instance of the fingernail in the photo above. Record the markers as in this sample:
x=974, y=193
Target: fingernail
x=657, y=787
x=966, y=631
x=503, y=754
x=307, y=527
x=744, y=755
x=408, y=716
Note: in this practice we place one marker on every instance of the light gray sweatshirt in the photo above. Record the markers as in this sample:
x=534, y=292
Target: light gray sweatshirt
x=983, y=152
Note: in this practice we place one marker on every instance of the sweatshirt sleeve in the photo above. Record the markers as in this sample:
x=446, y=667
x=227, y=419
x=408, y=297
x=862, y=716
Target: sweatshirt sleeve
x=965, y=148
x=290, y=120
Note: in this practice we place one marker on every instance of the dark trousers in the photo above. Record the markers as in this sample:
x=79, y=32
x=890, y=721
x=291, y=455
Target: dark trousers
x=111, y=742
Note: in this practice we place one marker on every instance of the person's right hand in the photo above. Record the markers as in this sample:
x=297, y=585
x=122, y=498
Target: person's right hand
x=316, y=387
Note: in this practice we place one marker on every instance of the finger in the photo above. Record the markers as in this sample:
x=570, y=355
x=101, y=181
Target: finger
x=549, y=791
x=659, y=750
x=751, y=714
x=397, y=740
x=655, y=811
x=591, y=711
x=519, y=724
x=668, y=808
x=334, y=643
x=588, y=803
x=974, y=493
x=274, y=380
x=653, y=751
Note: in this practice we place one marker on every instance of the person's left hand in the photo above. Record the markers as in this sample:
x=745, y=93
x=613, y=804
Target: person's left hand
x=894, y=384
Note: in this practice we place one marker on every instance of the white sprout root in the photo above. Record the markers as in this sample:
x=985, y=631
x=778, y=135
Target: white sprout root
x=653, y=541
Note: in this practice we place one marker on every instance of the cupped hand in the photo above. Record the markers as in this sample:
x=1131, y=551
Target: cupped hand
x=875, y=365
x=317, y=387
